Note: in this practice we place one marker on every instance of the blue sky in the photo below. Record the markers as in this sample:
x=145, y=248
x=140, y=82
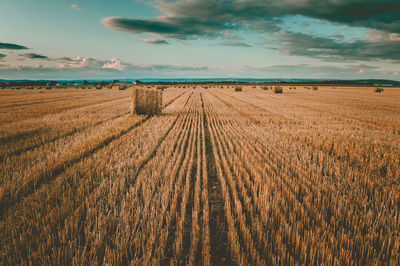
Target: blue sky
x=63, y=39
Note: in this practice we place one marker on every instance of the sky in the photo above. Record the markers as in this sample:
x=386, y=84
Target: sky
x=102, y=39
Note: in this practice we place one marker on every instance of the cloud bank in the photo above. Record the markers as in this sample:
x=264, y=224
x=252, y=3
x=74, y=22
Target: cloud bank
x=291, y=43
x=210, y=19
x=86, y=67
x=190, y=19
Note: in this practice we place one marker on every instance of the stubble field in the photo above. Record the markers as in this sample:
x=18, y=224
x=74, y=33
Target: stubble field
x=221, y=177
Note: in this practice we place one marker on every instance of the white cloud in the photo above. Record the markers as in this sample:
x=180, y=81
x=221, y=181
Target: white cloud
x=79, y=62
x=75, y=6
x=114, y=64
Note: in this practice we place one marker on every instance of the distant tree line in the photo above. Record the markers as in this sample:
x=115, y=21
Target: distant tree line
x=32, y=83
x=27, y=83
x=309, y=82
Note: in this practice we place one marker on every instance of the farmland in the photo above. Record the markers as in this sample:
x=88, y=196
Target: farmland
x=222, y=177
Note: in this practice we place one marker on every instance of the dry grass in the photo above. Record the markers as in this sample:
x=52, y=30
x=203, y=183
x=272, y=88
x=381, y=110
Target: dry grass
x=219, y=178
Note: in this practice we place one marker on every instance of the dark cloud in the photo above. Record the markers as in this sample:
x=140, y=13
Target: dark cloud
x=188, y=20
x=234, y=44
x=154, y=41
x=35, y=56
x=179, y=28
x=12, y=46
x=66, y=59
x=207, y=18
x=375, y=14
x=141, y=25
x=291, y=43
x=195, y=19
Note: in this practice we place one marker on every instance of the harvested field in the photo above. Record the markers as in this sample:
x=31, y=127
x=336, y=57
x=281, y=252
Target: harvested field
x=223, y=178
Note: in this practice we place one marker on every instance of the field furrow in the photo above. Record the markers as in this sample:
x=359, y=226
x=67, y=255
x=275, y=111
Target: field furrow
x=223, y=237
